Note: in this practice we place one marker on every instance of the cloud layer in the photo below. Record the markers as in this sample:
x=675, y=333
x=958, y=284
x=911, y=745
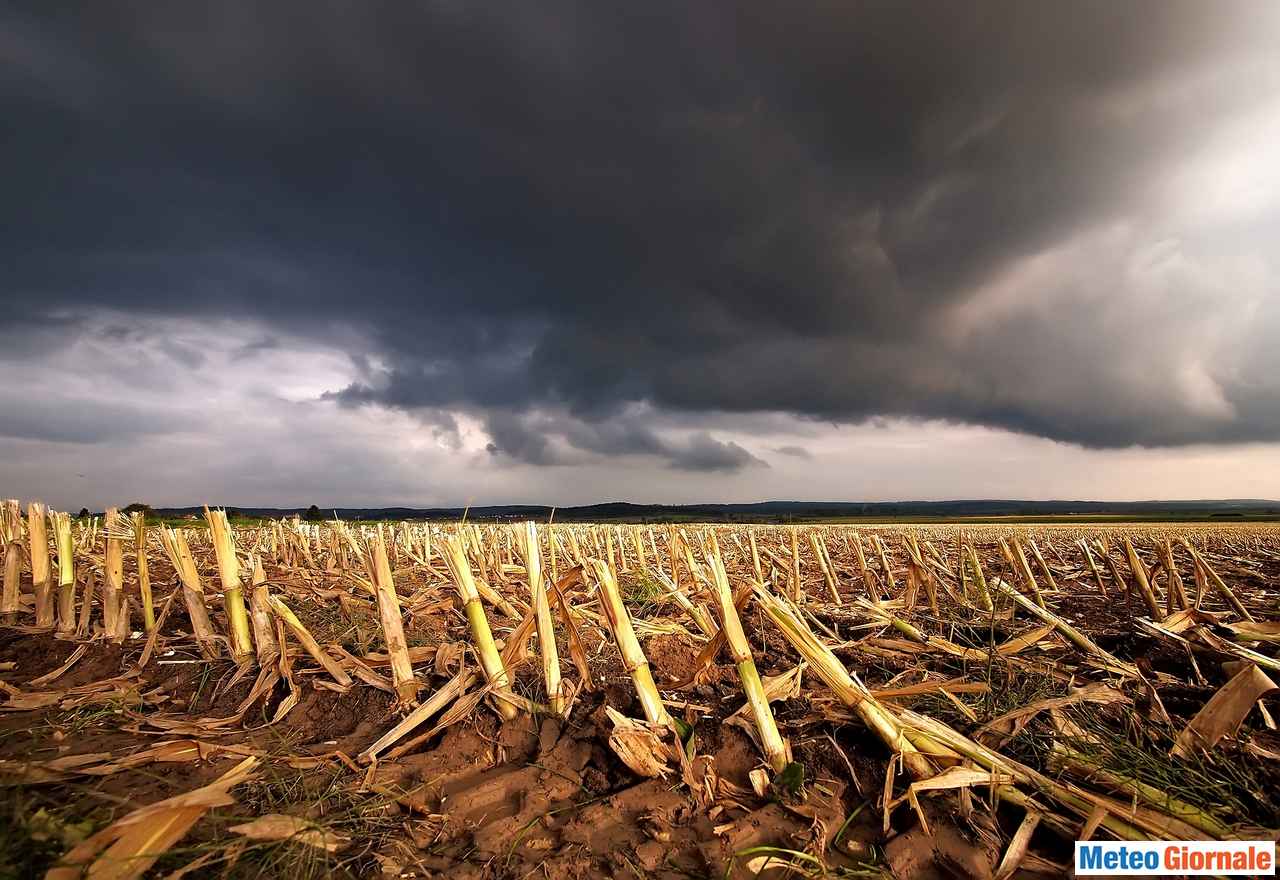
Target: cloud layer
x=559, y=235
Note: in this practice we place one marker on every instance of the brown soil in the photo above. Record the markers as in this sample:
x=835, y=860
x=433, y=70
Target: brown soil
x=491, y=798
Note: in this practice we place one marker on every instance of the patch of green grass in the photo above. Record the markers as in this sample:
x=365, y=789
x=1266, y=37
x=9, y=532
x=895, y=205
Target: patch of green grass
x=642, y=589
x=97, y=714
x=1009, y=688
x=1228, y=782
x=358, y=630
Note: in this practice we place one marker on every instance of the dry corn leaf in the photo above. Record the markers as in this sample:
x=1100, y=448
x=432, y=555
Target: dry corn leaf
x=277, y=826
x=1181, y=621
x=951, y=778
x=61, y=670
x=449, y=657
x=1017, y=851
x=446, y=694
x=783, y=686
x=577, y=651
x=24, y=701
x=951, y=685
x=1250, y=630
x=1225, y=711
x=956, y=777
x=1020, y=643
x=132, y=844
x=638, y=745
x=1010, y=723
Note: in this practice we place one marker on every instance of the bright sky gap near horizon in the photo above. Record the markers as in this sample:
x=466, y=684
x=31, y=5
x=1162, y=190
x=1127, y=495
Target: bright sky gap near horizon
x=430, y=254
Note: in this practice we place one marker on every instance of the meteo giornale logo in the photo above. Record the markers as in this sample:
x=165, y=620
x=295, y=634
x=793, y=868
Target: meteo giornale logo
x=1182, y=857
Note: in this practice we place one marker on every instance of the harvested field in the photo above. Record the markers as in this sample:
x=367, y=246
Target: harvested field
x=479, y=700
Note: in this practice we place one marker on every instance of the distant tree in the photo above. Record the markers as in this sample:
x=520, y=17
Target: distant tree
x=84, y=512
x=313, y=514
x=138, y=507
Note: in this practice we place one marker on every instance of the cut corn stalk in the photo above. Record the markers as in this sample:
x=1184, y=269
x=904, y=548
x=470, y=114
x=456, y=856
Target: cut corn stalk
x=884, y=563
x=1093, y=566
x=867, y=578
x=1044, y=566
x=444, y=695
x=1217, y=582
x=1159, y=798
x=264, y=631
x=1017, y=560
x=308, y=642
x=41, y=575
x=624, y=636
x=84, y=626
x=1175, y=595
x=819, y=553
x=232, y=596
x=696, y=612
x=755, y=558
x=922, y=728
x=139, y=520
x=1073, y=635
x=527, y=538
x=175, y=547
x=776, y=750
x=847, y=689
x=487, y=652
x=1139, y=570
x=984, y=595
x=61, y=523
x=11, y=538
x=392, y=624
x=113, y=568
x=123, y=626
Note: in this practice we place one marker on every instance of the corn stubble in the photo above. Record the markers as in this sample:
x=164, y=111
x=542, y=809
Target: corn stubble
x=974, y=657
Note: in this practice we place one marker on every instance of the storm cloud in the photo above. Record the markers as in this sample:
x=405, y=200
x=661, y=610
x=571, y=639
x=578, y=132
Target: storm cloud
x=599, y=233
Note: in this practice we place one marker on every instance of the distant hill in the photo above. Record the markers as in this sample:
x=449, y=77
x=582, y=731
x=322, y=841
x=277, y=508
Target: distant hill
x=791, y=511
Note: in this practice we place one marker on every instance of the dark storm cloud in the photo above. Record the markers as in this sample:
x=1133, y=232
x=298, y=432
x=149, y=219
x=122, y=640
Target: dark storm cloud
x=706, y=453
x=544, y=438
x=559, y=208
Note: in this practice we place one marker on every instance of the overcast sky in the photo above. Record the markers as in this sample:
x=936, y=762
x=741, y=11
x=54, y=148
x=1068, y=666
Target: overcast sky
x=375, y=253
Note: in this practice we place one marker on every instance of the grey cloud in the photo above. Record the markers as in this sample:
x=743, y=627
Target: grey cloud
x=705, y=453
x=543, y=215
x=558, y=438
x=256, y=346
x=62, y=419
x=793, y=451
x=511, y=436
x=189, y=357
